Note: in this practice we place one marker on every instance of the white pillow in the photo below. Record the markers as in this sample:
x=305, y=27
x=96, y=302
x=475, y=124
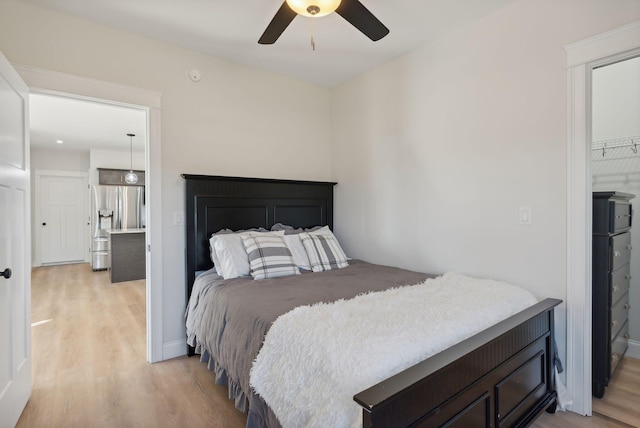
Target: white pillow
x=320, y=231
x=297, y=250
x=269, y=256
x=214, y=255
x=324, y=251
x=233, y=261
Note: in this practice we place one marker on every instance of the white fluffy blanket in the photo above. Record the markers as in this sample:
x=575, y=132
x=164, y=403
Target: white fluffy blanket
x=316, y=358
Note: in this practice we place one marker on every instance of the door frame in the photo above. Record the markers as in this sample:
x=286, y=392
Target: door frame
x=61, y=84
x=582, y=57
x=37, y=209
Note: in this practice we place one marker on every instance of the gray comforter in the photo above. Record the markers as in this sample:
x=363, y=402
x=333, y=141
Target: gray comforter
x=227, y=320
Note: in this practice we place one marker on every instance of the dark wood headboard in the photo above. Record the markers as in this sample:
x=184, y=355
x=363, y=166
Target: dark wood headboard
x=216, y=202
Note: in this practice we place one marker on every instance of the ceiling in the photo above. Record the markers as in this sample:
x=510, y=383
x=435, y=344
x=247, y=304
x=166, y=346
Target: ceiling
x=82, y=125
x=230, y=29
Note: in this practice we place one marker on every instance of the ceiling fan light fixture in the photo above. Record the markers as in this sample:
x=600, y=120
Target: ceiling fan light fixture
x=354, y=12
x=313, y=8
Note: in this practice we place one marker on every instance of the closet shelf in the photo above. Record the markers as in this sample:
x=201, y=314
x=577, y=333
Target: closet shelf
x=617, y=143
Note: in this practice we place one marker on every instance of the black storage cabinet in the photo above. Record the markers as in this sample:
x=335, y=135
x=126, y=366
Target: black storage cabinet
x=612, y=216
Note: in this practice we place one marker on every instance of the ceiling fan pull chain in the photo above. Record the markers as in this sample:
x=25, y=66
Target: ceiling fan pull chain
x=313, y=30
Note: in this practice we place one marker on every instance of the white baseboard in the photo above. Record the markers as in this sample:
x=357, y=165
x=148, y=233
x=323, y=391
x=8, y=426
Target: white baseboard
x=633, y=350
x=174, y=349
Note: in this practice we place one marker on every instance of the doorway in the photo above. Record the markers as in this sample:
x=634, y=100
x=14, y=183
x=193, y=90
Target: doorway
x=615, y=160
x=49, y=82
x=71, y=139
x=582, y=57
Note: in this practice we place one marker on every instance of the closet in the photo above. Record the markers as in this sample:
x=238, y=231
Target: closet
x=616, y=235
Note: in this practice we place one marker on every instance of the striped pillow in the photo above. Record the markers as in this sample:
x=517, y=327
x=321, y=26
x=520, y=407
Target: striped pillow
x=324, y=251
x=269, y=257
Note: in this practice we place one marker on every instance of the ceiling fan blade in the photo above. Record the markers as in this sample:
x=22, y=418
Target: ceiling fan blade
x=360, y=17
x=278, y=24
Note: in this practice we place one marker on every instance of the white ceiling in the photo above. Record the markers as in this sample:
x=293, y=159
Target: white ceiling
x=82, y=124
x=230, y=29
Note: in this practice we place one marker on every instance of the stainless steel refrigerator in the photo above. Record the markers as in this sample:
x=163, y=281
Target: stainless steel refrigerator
x=113, y=207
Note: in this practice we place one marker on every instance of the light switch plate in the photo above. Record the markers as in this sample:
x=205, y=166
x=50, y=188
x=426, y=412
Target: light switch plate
x=178, y=218
x=525, y=216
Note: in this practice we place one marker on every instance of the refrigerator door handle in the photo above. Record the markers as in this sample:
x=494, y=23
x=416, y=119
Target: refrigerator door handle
x=117, y=219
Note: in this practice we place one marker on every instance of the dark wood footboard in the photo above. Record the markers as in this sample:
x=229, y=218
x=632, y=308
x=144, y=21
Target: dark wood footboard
x=501, y=377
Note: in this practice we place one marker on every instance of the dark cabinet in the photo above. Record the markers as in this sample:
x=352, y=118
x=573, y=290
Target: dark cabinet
x=128, y=258
x=612, y=217
x=116, y=177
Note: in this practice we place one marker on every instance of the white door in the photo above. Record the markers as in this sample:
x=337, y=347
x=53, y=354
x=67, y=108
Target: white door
x=63, y=223
x=15, y=251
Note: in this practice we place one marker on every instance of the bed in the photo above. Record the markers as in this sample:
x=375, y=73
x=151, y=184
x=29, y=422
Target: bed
x=501, y=376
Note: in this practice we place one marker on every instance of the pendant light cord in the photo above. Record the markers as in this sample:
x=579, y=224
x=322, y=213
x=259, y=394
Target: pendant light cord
x=131, y=153
x=131, y=177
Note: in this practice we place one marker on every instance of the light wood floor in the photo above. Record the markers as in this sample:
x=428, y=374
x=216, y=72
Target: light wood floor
x=622, y=397
x=89, y=364
x=89, y=361
x=619, y=408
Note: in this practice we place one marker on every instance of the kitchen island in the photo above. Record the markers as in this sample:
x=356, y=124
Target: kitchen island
x=128, y=259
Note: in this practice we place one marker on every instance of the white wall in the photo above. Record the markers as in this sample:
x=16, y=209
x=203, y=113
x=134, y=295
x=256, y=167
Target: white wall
x=236, y=121
x=436, y=151
x=616, y=100
x=59, y=160
x=616, y=114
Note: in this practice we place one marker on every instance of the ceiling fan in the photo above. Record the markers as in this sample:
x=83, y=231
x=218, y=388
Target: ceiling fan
x=351, y=10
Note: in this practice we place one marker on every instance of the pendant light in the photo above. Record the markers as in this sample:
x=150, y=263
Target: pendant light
x=131, y=177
